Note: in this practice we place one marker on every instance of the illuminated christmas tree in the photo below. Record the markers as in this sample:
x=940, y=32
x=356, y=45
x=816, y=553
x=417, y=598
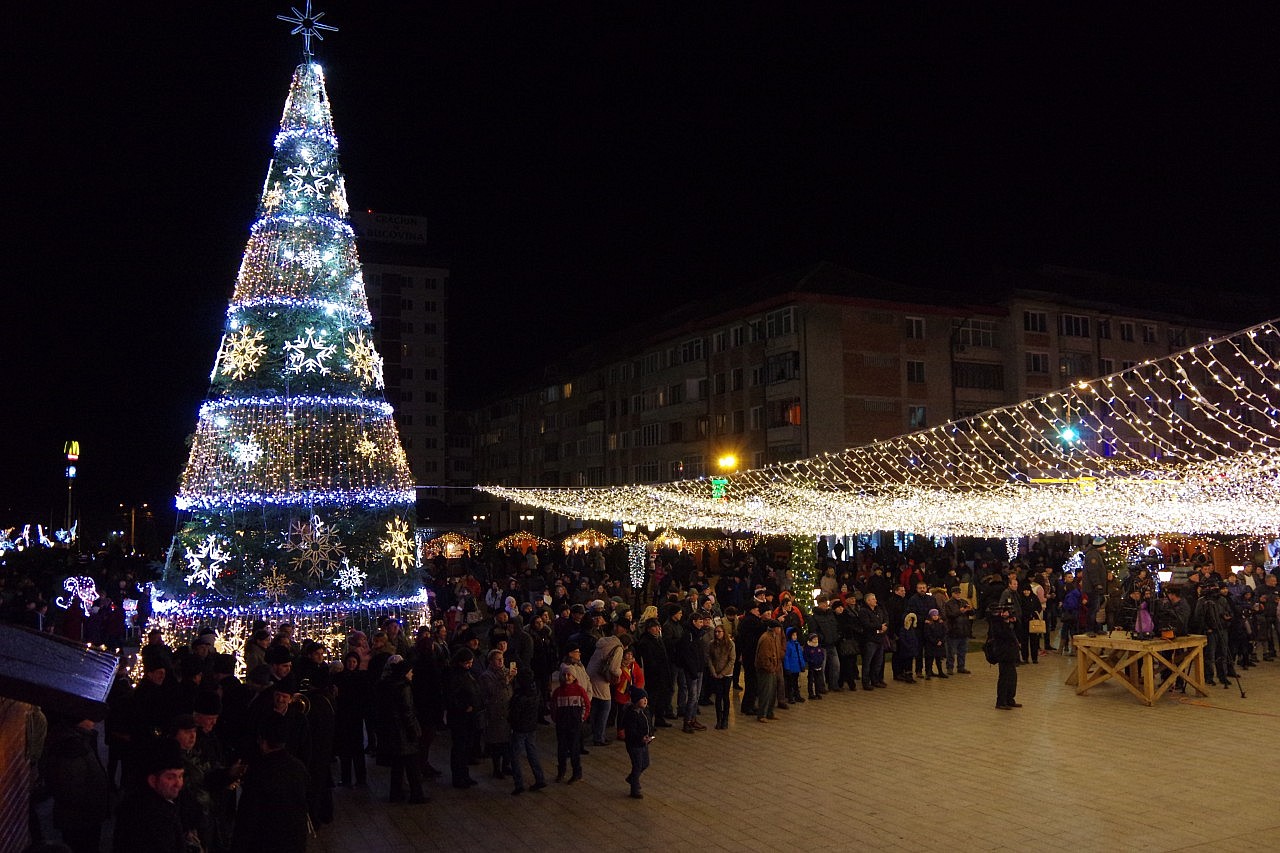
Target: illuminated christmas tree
x=297, y=482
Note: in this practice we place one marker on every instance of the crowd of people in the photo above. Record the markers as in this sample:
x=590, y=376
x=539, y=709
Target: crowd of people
x=204, y=759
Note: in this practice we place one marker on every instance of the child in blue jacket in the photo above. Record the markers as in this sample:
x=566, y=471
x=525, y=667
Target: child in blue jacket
x=793, y=665
x=815, y=660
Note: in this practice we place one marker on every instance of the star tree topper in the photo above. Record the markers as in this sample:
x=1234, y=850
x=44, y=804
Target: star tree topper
x=308, y=24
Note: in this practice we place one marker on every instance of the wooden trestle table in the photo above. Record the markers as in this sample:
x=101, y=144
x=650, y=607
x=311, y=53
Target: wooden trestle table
x=1137, y=664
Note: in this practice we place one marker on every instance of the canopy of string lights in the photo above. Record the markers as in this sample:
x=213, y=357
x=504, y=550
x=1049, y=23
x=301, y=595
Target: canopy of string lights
x=1188, y=443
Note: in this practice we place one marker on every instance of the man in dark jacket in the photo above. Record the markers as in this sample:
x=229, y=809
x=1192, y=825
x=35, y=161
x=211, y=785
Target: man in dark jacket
x=691, y=661
x=920, y=603
x=1094, y=580
x=750, y=628
x=398, y=729
x=153, y=706
x=273, y=800
x=895, y=608
x=1002, y=635
x=823, y=623
x=957, y=614
x=651, y=654
x=673, y=631
x=849, y=644
x=1268, y=596
x=463, y=707
x=1179, y=610
x=147, y=820
x=78, y=782
x=871, y=618
x=1209, y=618
x=523, y=716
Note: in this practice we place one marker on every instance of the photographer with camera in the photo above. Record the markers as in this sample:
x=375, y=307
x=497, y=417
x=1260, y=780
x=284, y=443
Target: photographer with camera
x=1002, y=640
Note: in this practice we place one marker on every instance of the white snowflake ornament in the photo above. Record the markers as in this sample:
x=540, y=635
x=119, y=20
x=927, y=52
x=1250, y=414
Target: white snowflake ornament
x=246, y=453
x=349, y=578
x=309, y=352
x=309, y=179
x=205, y=562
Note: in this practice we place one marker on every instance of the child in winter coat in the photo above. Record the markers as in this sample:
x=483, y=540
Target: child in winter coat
x=1072, y=613
x=638, y=732
x=793, y=665
x=934, y=637
x=570, y=708
x=908, y=647
x=632, y=675
x=815, y=660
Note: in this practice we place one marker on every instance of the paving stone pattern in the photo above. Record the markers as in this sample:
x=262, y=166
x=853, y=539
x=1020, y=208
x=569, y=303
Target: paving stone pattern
x=932, y=766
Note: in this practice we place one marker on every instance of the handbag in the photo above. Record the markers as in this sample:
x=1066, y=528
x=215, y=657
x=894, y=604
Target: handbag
x=888, y=642
x=1036, y=626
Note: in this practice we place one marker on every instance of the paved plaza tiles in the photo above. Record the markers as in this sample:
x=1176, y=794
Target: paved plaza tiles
x=913, y=768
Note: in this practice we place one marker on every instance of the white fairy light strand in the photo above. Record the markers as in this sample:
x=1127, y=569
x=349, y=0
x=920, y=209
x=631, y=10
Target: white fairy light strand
x=1186, y=443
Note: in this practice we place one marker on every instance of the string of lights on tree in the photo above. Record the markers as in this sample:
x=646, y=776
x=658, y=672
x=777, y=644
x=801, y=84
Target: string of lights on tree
x=328, y=622
x=297, y=488
x=1189, y=443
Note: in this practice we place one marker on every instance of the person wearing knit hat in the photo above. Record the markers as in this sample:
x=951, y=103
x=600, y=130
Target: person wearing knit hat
x=933, y=639
x=207, y=704
x=639, y=734
x=278, y=654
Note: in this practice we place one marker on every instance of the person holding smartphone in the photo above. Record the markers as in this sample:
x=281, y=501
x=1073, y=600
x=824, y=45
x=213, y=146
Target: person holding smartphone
x=639, y=734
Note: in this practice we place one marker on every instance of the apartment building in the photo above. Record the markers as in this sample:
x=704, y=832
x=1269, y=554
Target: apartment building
x=806, y=364
x=408, y=297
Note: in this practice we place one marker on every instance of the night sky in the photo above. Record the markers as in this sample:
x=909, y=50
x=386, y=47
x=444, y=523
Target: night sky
x=582, y=165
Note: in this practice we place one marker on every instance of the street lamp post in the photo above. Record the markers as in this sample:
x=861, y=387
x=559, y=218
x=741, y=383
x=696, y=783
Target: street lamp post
x=133, y=523
x=72, y=451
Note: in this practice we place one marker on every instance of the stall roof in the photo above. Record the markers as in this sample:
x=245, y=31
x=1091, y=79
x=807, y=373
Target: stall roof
x=54, y=673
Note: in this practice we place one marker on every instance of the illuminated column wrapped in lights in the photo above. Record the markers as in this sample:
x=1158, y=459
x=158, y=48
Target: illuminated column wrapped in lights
x=297, y=488
x=804, y=570
x=637, y=545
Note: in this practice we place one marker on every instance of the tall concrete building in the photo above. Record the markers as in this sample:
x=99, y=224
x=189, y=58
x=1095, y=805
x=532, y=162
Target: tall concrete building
x=408, y=297
x=810, y=363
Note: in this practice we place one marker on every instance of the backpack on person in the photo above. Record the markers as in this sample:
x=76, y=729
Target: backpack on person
x=604, y=667
x=989, y=651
